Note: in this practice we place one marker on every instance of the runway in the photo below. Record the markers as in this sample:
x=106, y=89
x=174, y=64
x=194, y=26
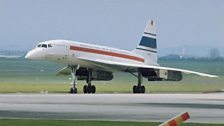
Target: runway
x=203, y=108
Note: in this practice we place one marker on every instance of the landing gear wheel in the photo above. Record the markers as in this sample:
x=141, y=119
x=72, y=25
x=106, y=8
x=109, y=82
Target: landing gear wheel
x=142, y=89
x=93, y=89
x=73, y=90
x=134, y=89
x=138, y=89
x=89, y=89
x=85, y=89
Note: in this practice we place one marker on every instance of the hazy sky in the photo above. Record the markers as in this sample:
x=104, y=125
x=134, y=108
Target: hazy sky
x=117, y=23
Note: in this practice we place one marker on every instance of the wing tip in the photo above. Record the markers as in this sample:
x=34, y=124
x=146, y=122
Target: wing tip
x=209, y=75
x=214, y=76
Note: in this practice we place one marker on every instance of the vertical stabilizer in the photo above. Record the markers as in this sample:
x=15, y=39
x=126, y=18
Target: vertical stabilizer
x=148, y=45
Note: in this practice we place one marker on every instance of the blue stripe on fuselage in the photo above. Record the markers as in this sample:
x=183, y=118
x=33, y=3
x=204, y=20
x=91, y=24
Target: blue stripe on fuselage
x=148, y=42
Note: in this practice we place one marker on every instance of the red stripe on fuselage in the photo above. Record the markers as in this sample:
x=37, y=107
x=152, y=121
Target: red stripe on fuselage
x=102, y=52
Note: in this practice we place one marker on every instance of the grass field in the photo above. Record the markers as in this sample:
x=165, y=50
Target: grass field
x=6, y=122
x=25, y=76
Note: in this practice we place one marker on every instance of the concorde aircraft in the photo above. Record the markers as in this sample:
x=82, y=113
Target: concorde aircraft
x=91, y=62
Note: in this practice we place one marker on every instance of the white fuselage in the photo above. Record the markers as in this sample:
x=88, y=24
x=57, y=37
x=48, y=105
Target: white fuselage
x=69, y=52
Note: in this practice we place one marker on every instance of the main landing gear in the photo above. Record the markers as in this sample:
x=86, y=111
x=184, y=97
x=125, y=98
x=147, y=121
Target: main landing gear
x=89, y=88
x=86, y=88
x=139, y=88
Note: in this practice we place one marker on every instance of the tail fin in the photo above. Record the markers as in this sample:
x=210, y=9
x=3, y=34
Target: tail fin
x=148, y=46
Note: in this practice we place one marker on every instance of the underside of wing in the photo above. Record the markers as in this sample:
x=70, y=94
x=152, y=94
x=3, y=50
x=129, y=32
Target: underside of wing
x=163, y=71
x=64, y=71
x=82, y=73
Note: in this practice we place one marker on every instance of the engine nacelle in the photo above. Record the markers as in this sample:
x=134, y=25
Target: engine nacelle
x=161, y=75
x=96, y=75
x=102, y=75
x=148, y=72
x=169, y=75
x=175, y=75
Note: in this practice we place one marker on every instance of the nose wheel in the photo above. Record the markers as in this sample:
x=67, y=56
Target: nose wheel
x=73, y=90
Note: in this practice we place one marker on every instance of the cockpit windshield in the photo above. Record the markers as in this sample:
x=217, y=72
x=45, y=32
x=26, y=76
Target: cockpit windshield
x=44, y=46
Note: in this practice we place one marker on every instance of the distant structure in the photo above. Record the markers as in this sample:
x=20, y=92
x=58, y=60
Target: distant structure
x=183, y=52
x=214, y=54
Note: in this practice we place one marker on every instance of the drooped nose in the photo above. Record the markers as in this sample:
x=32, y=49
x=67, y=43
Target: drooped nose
x=35, y=55
x=29, y=55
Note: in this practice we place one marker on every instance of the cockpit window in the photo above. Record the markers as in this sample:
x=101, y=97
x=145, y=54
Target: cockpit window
x=44, y=45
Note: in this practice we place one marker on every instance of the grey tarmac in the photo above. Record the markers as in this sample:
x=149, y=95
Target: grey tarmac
x=203, y=108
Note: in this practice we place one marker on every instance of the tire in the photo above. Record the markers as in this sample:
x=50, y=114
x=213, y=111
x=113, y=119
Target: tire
x=139, y=89
x=134, y=89
x=88, y=89
x=143, y=89
x=73, y=90
x=93, y=89
x=85, y=89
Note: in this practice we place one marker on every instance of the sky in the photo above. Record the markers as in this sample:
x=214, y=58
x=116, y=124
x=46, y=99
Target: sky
x=116, y=23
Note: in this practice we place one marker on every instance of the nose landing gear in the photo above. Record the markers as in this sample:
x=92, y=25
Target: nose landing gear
x=73, y=90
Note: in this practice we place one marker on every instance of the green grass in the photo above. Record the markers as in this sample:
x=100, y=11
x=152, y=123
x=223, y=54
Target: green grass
x=121, y=84
x=21, y=122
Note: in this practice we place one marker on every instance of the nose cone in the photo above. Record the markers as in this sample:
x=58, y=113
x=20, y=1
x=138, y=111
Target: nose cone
x=35, y=55
x=27, y=56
